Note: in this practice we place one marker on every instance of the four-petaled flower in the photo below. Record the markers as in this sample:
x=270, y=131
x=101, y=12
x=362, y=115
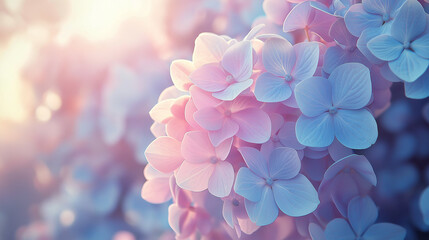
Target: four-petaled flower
x=270, y=183
x=335, y=107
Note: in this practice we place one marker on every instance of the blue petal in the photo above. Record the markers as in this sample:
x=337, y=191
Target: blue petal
x=307, y=57
x=383, y=231
x=296, y=197
x=418, y=89
x=278, y=56
x=361, y=213
x=357, y=20
x=284, y=163
x=334, y=57
x=409, y=66
x=255, y=161
x=339, y=229
x=351, y=86
x=385, y=47
x=248, y=185
x=316, y=232
x=362, y=44
x=270, y=88
x=357, y=162
x=424, y=205
x=410, y=21
x=315, y=132
x=313, y=96
x=421, y=46
x=381, y=7
x=265, y=211
x=355, y=129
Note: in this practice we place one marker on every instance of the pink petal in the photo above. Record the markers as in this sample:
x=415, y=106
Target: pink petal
x=233, y=90
x=164, y=154
x=158, y=129
x=151, y=173
x=180, y=71
x=254, y=125
x=190, y=110
x=209, y=118
x=174, y=216
x=298, y=18
x=222, y=151
x=228, y=130
x=194, y=177
x=210, y=77
x=209, y=48
x=161, y=111
x=203, y=99
x=276, y=10
x=156, y=190
x=238, y=60
x=176, y=128
x=221, y=180
x=197, y=148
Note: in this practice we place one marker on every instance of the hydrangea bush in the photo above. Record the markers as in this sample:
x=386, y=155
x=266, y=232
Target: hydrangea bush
x=260, y=137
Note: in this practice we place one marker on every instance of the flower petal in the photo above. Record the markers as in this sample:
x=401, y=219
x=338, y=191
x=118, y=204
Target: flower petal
x=361, y=213
x=194, y=176
x=409, y=66
x=270, y=88
x=355, y=129
x=238, y=60
x=424, y=205
x=221, y=180
x=248, y=185
x=381, y=231
x=357, y=20
x=209, y=48
x=385, y=47
x=265, y=211
x=287, y=136
x=314, y=96
x=307, y=58
x=233, y=90
x=421, y=46
x=156, y=190
x=339, y=229
x=210, y=77
x=179, y=72
x=315, y=132
x=254, y=124
x=255, y=161
x=228, y=130
x=296, y=197
x=278, y=56
x=209, y=118
x=410, y=22
x=351, y=86
x=284, y=163
x=418, y=89
x=164, y=154
x=196, y=147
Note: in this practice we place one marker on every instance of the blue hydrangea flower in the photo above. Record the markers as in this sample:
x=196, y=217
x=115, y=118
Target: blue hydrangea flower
x=286, y=66
x=376, y=14
x=362, y=213
x=424, y=205
x=335, y=108
x=418, y=89
x=406, y=50
x=273, y=183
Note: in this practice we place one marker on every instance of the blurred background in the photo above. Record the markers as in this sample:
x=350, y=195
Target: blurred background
x=77, y=79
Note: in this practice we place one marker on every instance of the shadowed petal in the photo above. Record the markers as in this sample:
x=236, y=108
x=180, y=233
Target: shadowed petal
x=361, y=213
x=254, y=123
x=315, y=132
x=284, y=163
x=339, y=229
x=355, y=129
x=209, y=118
x=418, y=89
x=357, y=20
x=221, y=180
x=295, y=197
x=381, y=231
x=421, y=46
x=233, y=90
x=265, y=211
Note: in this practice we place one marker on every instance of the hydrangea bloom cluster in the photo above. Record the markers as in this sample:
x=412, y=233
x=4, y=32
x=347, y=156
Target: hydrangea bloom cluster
x=267, y=129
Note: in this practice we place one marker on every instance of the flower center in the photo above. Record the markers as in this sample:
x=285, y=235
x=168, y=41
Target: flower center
x=229, y=78
x=386, y=17
x=214, y=160
x=227, y=113
x=269, y=181
x=235, y=202
x=333, y=110
x=275, y=138
x=406, y=44
x=288, y=78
